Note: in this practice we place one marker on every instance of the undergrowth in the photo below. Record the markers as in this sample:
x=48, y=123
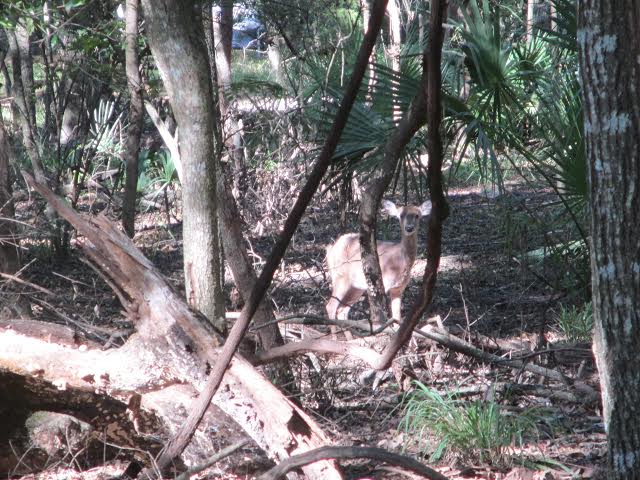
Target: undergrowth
x=480, y=432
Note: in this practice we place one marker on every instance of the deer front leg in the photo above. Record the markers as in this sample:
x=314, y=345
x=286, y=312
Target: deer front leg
x=396, y=303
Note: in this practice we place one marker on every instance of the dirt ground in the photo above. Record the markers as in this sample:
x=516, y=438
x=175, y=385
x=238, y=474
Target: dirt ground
x=486, y=285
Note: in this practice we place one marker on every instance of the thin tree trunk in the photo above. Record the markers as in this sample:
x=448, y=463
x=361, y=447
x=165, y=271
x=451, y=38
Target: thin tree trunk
x=410, y=123
x=365, y=5
x=23, y=42
x=49, y=128
x=395, y=47
x=395, y=29
x=223, y=36
x=243, y=273
x=208, y=27
x=136, y=112
x=9, y=243
x=23, y=100
x=176, y=41
x=530, y=20
x=609, y=47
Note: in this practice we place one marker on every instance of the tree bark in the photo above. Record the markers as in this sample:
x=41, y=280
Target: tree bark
x=176, y=41
x=49, y=127
x=136, y=112
x=609, y=47
x=23, y=41
x=242, y=270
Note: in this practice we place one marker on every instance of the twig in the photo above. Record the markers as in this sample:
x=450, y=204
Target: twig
x=224, y=453
x=86, y=327
x=13, y=278
x=71, y=279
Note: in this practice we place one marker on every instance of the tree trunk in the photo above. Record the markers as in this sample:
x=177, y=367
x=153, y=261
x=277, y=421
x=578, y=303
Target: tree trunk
x=23, y=42
x=4, y=50
x=9, y=243
x=23, y=99
x=229, y=217
x=275, y=60
x=176, y=41
x=609, y=46
x=232, y=238
x=425, y=106
x=136, y=110
x=365, y=6
x=49, y=127
x=241, y=268
x=529, y=20
x=395, y=29
x=232, y=135
x=223, y=35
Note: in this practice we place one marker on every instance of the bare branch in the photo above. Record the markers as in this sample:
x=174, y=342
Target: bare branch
x=344, y=453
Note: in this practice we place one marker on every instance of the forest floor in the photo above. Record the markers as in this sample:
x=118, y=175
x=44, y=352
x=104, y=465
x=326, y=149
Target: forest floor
x=487, y=287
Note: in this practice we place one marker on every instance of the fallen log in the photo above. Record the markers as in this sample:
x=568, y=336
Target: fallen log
x=140, y=393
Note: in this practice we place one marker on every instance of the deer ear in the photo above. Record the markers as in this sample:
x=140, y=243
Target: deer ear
x=425, y=208
x=390, y=208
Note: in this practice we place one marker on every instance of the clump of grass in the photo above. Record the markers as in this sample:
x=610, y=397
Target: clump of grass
x=250, y=64
x=576, y=323
x=470, y=431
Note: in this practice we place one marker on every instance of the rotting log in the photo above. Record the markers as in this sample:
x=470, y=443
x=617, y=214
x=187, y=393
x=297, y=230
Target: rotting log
x=146, y=386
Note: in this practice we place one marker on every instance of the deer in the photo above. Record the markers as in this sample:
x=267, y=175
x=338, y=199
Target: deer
x=396, y=260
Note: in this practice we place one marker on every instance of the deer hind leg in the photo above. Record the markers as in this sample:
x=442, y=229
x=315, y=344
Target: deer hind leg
x=332, y=311
x=339, y=305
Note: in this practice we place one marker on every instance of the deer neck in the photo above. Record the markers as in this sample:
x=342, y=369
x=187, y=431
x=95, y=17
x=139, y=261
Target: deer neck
x=409, y=247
